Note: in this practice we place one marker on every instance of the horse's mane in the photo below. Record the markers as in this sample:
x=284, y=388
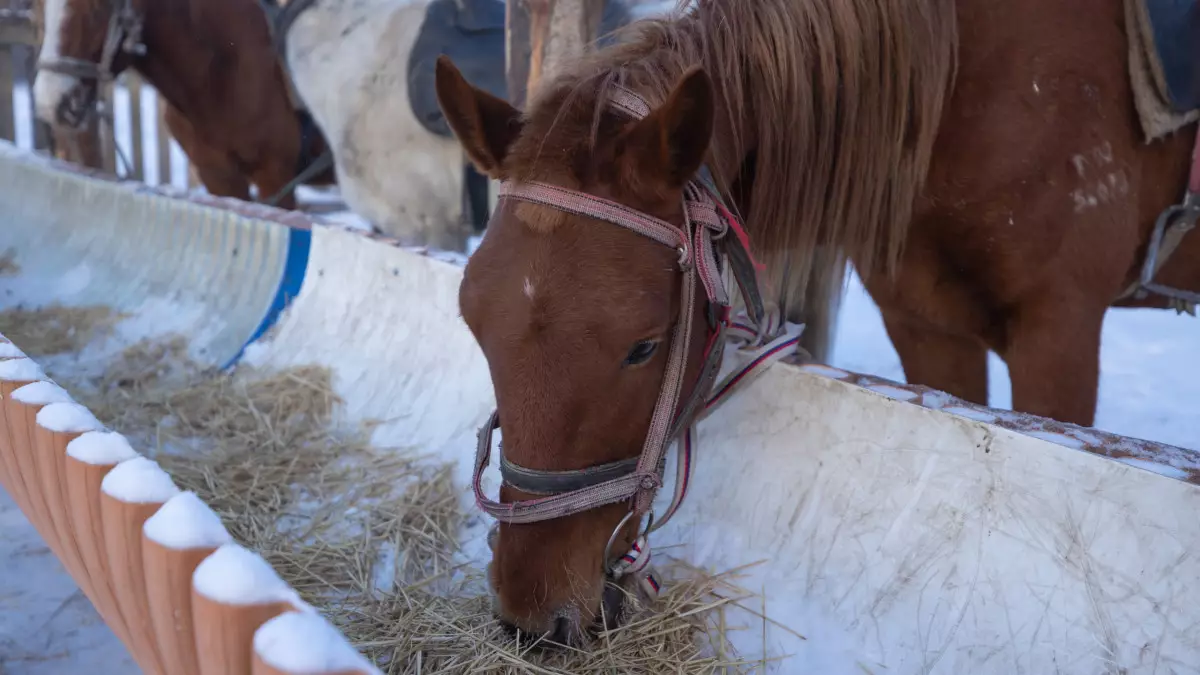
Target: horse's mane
x=843, y=98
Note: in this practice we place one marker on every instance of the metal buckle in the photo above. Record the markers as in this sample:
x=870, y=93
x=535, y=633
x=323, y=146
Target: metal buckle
x=608, y=565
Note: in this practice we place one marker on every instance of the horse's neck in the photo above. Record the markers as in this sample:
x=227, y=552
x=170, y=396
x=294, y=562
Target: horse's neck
x=174, y=62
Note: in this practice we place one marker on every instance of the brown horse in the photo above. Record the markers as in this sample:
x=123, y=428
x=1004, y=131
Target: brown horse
x=943, y=145
x=228, y=103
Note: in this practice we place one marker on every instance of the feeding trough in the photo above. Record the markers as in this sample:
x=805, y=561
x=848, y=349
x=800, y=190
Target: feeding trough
x=895, y=529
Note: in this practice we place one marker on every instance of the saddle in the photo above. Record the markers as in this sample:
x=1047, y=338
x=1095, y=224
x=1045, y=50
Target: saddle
x=471, y=32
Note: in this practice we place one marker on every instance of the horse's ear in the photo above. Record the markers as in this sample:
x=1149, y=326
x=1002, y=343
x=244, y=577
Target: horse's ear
x=484, y=124
x=672, y=141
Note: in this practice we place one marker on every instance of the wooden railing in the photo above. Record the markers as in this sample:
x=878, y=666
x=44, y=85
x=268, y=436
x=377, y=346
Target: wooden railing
x=102, y=144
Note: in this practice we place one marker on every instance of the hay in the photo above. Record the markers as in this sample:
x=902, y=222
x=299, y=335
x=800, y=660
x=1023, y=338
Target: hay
x=55, y=328
x=8, y=263
x=368, y=535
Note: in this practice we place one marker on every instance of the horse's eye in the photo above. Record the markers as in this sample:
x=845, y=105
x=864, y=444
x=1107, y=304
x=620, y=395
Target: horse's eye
x=641, y=352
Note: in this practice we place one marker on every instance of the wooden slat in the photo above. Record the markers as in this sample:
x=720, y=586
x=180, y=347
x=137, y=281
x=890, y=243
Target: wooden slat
x=108, y=144
x=7, y=77
x=17, y=33
x=136, y=155
x=164, y=144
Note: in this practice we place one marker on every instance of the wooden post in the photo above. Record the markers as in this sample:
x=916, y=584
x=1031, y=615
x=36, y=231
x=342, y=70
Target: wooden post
x=516, y=50
x=540, y=34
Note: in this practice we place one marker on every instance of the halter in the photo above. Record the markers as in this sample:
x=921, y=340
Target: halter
x=124, y=36
x=703, y=244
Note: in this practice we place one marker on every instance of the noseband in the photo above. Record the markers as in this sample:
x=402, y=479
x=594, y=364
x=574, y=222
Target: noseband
x=124, y=36
x=710, y=238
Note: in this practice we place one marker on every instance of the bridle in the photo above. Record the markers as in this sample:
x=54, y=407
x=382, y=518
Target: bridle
x=124, y=37
x=709, y=237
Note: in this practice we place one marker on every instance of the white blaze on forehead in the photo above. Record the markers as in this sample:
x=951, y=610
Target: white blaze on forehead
x=528, y=288
x=48, y=87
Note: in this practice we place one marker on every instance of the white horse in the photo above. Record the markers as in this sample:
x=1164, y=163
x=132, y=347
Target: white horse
x=348, y=60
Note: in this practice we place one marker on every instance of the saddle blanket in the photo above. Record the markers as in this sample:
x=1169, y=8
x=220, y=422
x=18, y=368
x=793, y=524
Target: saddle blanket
x=1164, y=63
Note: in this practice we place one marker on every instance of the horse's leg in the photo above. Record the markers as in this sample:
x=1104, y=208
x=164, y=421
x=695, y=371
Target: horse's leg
x=933, y=358
x=218, y=171
x=1053, y=356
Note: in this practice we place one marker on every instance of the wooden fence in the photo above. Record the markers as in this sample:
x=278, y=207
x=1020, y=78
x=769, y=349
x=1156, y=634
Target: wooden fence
x=135, y=131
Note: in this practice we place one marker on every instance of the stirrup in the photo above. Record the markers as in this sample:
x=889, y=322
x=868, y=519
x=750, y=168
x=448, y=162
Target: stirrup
x=1175, y=222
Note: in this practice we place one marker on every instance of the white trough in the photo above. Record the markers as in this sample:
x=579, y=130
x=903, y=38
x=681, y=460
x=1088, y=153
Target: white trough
x=902, y=531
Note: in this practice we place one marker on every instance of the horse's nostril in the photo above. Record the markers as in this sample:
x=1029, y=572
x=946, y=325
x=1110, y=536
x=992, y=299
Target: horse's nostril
x=561, y=633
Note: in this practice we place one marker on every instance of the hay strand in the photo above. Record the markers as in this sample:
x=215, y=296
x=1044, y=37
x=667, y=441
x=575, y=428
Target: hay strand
x=367, y=534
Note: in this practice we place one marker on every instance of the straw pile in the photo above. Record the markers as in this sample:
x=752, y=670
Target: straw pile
x=366, y=534
x=55, y=328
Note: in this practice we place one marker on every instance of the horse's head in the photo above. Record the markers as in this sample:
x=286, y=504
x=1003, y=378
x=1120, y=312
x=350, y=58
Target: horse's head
x=85, y=42
x=588, y=300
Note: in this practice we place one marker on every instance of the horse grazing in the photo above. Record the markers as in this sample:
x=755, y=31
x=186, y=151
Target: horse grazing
x=979, y=164
x=227, y=99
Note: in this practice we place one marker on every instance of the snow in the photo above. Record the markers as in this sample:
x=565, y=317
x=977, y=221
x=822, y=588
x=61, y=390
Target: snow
x=1160, y=469
x=100, y=448
x=139, y=481
x=186, y=522
x=234, y=575
x=1053, y=437
x=893, y=392
x=41, y=393
x=971, y=414
x=1149, y=367
x=68, y=417
x=9, y=351
x=304, y=642
x=21, y=370
x=823, y=370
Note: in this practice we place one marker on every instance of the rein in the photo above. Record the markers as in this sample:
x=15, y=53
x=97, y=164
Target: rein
x=705, y=249
x=124, y=36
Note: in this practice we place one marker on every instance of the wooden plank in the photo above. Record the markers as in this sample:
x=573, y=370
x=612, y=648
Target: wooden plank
x=108, y=144
x=516, y=50
x=133, y=82
x=18, y=33
x=164, y=143
x=8, y=73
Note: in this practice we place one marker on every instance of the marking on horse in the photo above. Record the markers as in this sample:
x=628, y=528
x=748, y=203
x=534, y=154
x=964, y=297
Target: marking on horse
x=50, y=87
x=528, y=288
x=1103, y=182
